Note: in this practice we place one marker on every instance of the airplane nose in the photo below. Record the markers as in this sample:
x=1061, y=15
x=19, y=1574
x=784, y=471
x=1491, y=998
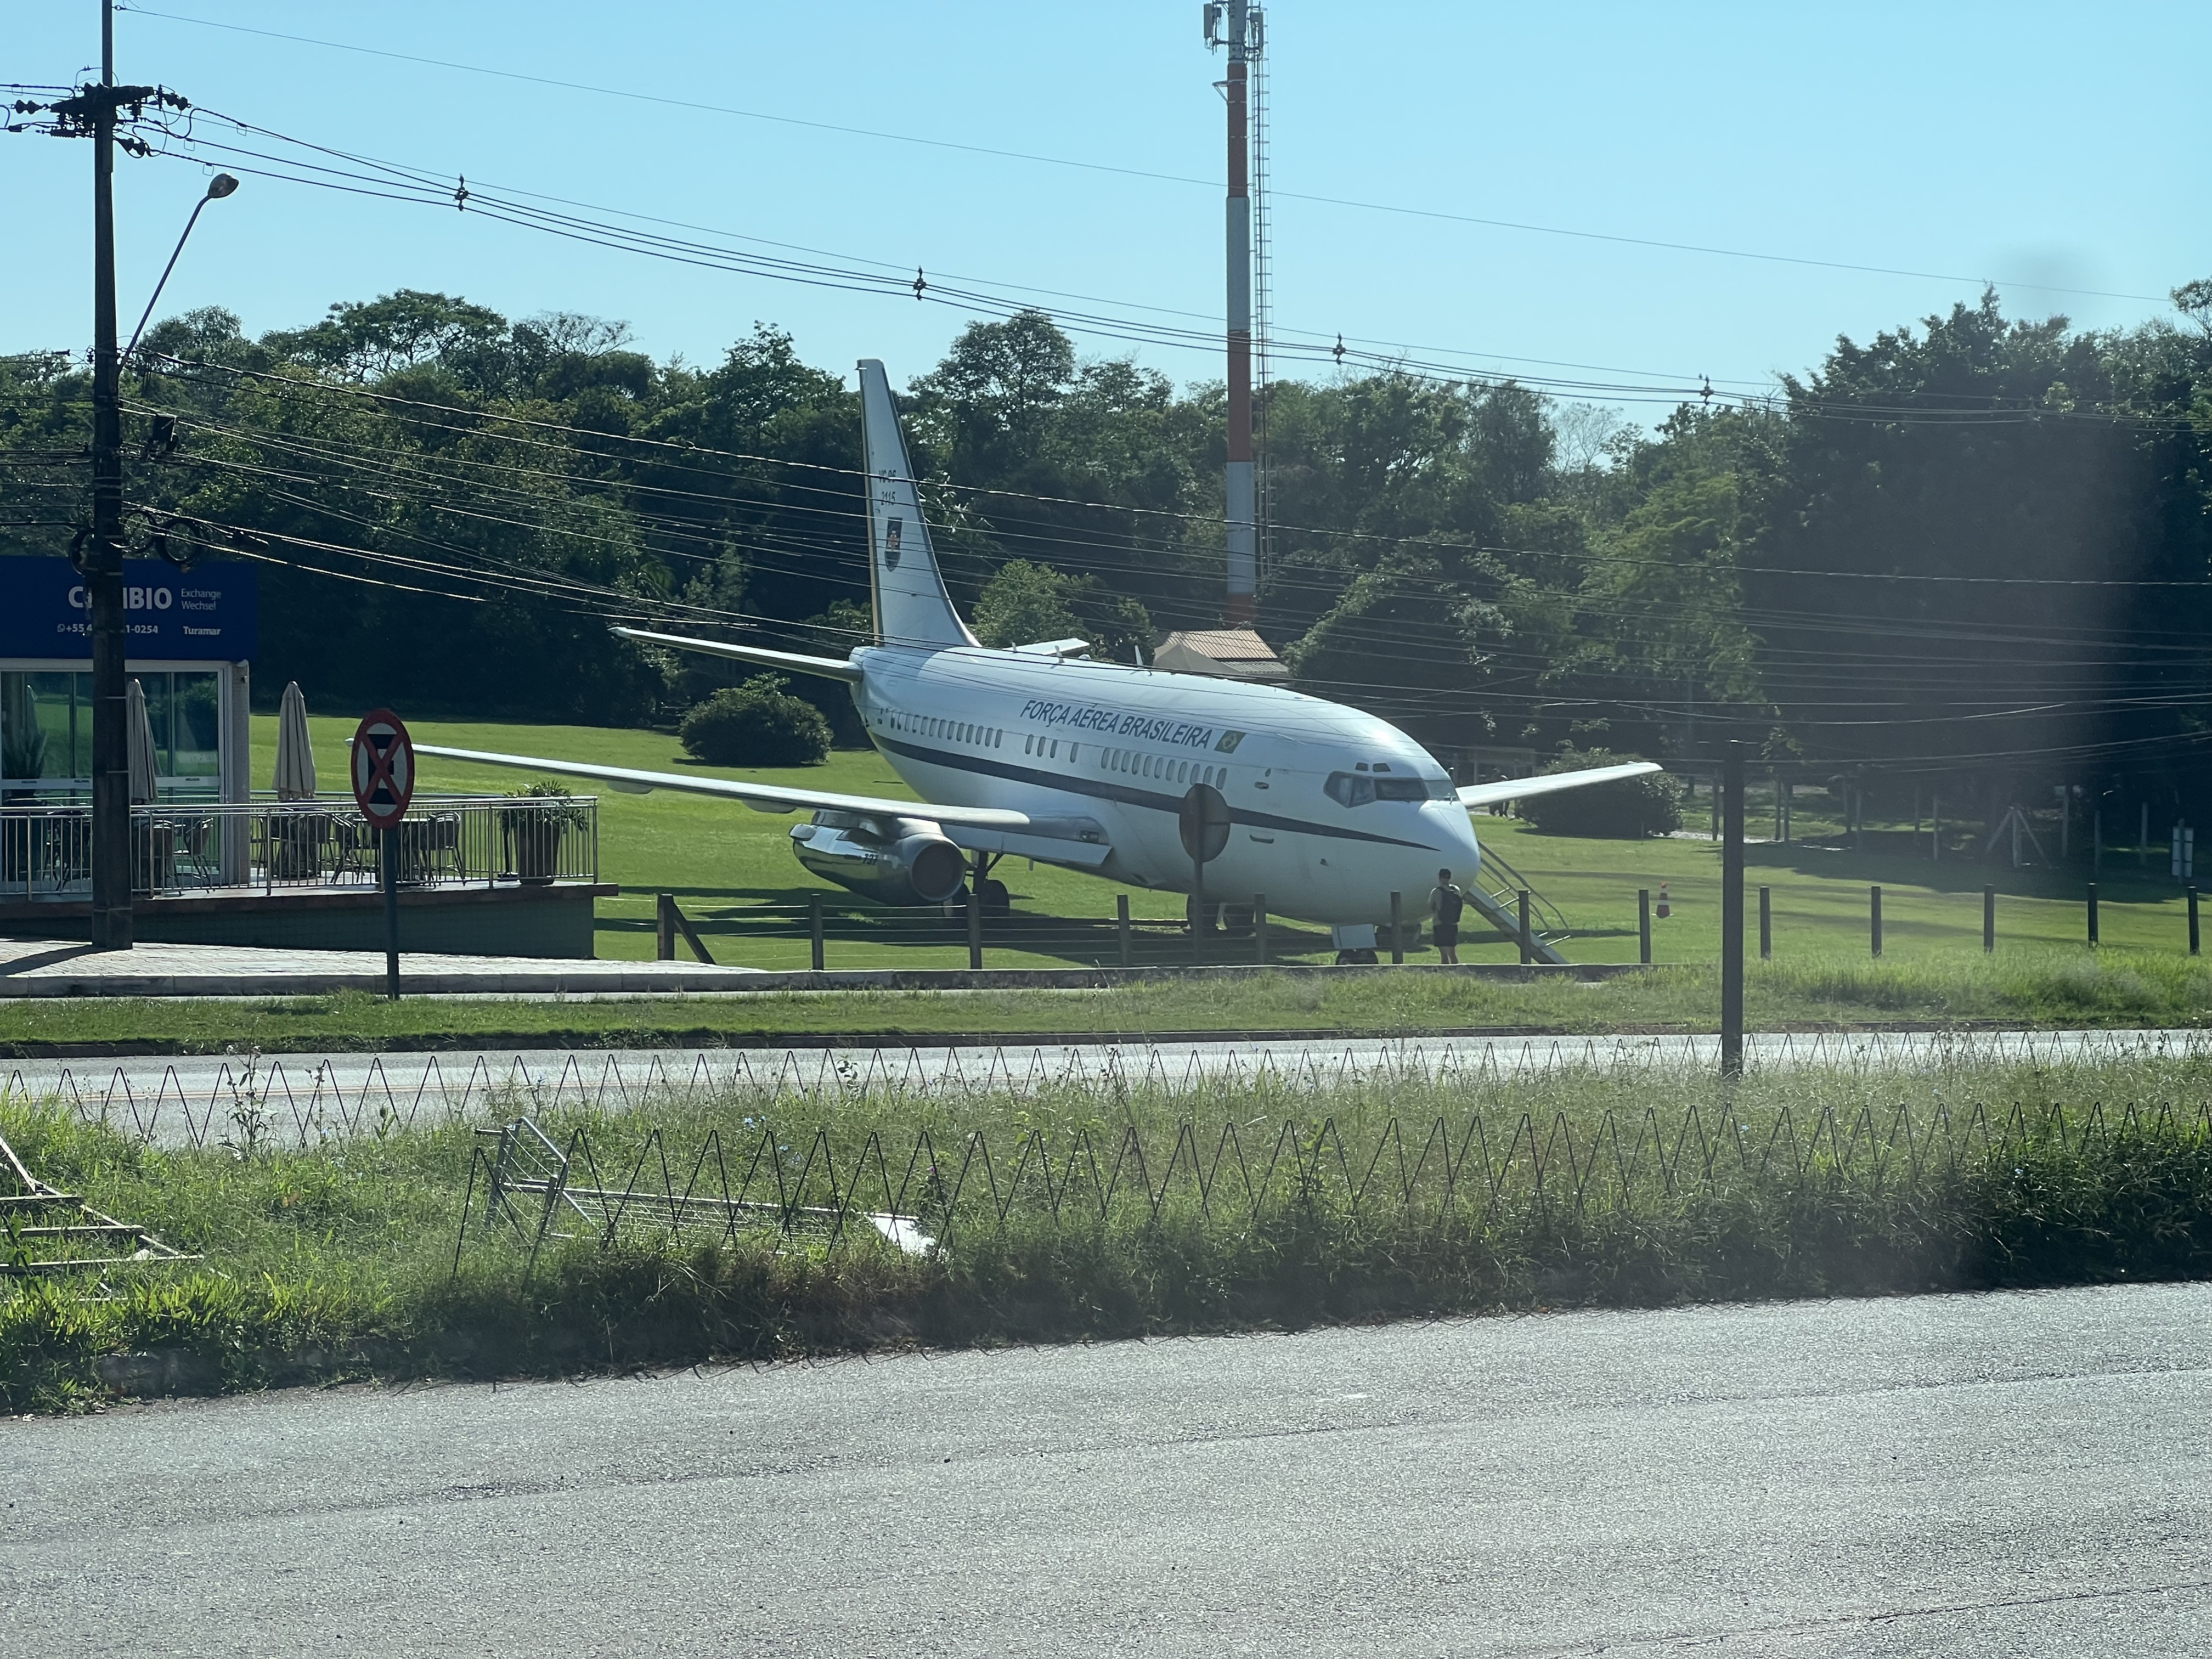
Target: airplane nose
x=1452, y=833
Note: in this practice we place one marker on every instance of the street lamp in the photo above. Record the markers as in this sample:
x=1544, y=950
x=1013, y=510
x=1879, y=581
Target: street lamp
x=103, y=568
x=218, y=187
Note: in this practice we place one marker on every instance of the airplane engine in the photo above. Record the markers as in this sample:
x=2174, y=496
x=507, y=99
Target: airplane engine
x=908, y=861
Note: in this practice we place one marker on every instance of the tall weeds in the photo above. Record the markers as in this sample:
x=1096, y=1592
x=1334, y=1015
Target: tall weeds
x=1094, y=1207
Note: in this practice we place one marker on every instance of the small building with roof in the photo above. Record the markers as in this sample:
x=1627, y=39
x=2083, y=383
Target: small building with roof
x=1224, y=653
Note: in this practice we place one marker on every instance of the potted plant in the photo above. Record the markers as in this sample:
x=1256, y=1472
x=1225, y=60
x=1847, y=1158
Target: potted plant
x=533, y=824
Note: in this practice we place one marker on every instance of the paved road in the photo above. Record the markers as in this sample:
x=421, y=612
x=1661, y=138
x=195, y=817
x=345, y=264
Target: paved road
x=2018, y=1475
x=182, y=1101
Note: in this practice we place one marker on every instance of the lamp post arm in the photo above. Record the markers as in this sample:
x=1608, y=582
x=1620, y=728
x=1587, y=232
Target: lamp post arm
x=156, y=297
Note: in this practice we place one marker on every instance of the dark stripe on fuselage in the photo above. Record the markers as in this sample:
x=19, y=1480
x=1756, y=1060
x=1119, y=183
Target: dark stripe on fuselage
x=1100, y=789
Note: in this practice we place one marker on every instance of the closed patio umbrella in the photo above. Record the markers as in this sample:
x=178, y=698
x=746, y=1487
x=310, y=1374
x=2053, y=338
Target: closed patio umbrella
x=142, y=745
x=295, y=754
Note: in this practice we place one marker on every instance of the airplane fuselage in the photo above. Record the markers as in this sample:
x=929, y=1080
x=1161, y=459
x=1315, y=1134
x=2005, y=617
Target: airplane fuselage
x=1331, y=810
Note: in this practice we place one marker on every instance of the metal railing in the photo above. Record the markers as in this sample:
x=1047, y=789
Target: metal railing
x=187, y=847
x=840, y=932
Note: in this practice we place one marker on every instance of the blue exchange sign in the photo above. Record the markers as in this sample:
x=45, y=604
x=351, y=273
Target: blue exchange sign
x=208, y=615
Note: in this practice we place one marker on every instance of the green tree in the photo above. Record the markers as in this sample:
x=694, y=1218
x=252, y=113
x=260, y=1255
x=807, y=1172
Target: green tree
x=1030, y=603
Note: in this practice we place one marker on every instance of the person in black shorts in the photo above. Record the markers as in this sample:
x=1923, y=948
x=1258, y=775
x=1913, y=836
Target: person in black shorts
x=1446, y=904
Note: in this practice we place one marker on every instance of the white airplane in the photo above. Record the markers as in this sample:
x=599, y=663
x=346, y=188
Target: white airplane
x=1040, y=752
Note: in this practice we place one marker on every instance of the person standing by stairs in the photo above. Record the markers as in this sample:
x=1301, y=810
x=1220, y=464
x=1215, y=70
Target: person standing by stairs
x=1446, y=904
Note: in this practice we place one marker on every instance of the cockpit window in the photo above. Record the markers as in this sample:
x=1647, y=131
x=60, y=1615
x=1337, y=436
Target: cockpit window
x=1356, y=789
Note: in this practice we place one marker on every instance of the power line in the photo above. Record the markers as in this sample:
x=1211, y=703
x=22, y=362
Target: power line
x=1527, y=226
x=392, y=181
x=475, y=417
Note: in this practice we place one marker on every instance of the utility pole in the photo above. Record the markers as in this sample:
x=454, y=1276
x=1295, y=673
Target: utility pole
x=110, y=740
x=1241, y=499
x=1732, y=912
x=93, y=112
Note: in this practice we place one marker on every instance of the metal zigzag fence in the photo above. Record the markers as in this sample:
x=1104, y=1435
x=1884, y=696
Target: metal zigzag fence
x=926, y=1148
x=1477, y=1169
x=270, y=1102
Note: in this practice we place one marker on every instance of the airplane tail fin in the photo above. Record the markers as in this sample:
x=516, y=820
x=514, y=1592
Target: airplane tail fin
x=912, y=607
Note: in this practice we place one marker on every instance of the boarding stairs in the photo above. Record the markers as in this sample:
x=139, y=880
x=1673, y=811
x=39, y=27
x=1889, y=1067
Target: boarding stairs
x=1496, y=896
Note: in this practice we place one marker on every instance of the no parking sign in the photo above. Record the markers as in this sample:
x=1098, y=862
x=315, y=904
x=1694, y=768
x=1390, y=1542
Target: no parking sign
x=383, y=785
x=383, y=769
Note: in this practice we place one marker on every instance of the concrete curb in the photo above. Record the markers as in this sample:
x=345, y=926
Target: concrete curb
x=300, y=985
x=708, y=1038
x=618, y=1043
x=614, y=980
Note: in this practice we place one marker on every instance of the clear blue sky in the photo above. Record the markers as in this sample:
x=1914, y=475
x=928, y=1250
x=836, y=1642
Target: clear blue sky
x=2026, y=143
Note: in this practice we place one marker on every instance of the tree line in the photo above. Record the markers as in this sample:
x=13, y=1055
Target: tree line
x=1976, y=543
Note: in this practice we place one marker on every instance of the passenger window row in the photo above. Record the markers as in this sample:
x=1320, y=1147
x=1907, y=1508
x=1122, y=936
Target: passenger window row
x=932, y=726
x=1167, y=769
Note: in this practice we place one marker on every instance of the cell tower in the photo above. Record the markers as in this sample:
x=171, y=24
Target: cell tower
x=1263, y=261
x=1243, y=37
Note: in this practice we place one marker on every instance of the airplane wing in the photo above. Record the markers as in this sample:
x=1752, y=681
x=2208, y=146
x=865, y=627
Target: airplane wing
x=760, y=797
x=828, y=668
x=1487, y=794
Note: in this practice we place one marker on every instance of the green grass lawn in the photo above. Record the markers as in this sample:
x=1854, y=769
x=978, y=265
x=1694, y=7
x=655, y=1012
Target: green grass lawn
x=1821, y=900
x=2031, y=987
x=733, y=873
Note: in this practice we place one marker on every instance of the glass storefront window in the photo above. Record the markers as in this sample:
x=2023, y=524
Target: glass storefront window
x=64, y=713
x=181, y=709
x=45, y=733
x=195, y=733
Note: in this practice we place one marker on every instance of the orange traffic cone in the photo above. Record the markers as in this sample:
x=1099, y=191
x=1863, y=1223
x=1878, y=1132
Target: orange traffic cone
x=1665, y=908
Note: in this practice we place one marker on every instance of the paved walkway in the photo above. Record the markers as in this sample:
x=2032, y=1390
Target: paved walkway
x=64, y=967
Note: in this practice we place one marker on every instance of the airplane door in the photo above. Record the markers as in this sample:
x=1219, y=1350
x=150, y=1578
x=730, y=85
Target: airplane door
x=1318, y=860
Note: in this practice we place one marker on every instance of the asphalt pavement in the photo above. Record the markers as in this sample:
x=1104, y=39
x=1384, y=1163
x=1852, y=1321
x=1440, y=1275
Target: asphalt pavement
x=2022, y=1474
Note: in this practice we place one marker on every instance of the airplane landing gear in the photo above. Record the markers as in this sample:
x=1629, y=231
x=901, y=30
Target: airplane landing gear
x=996, y=900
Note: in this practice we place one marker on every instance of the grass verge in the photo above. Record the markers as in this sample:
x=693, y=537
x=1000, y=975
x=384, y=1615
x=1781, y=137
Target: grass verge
x=1094, y=1209
x=2049, y=986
